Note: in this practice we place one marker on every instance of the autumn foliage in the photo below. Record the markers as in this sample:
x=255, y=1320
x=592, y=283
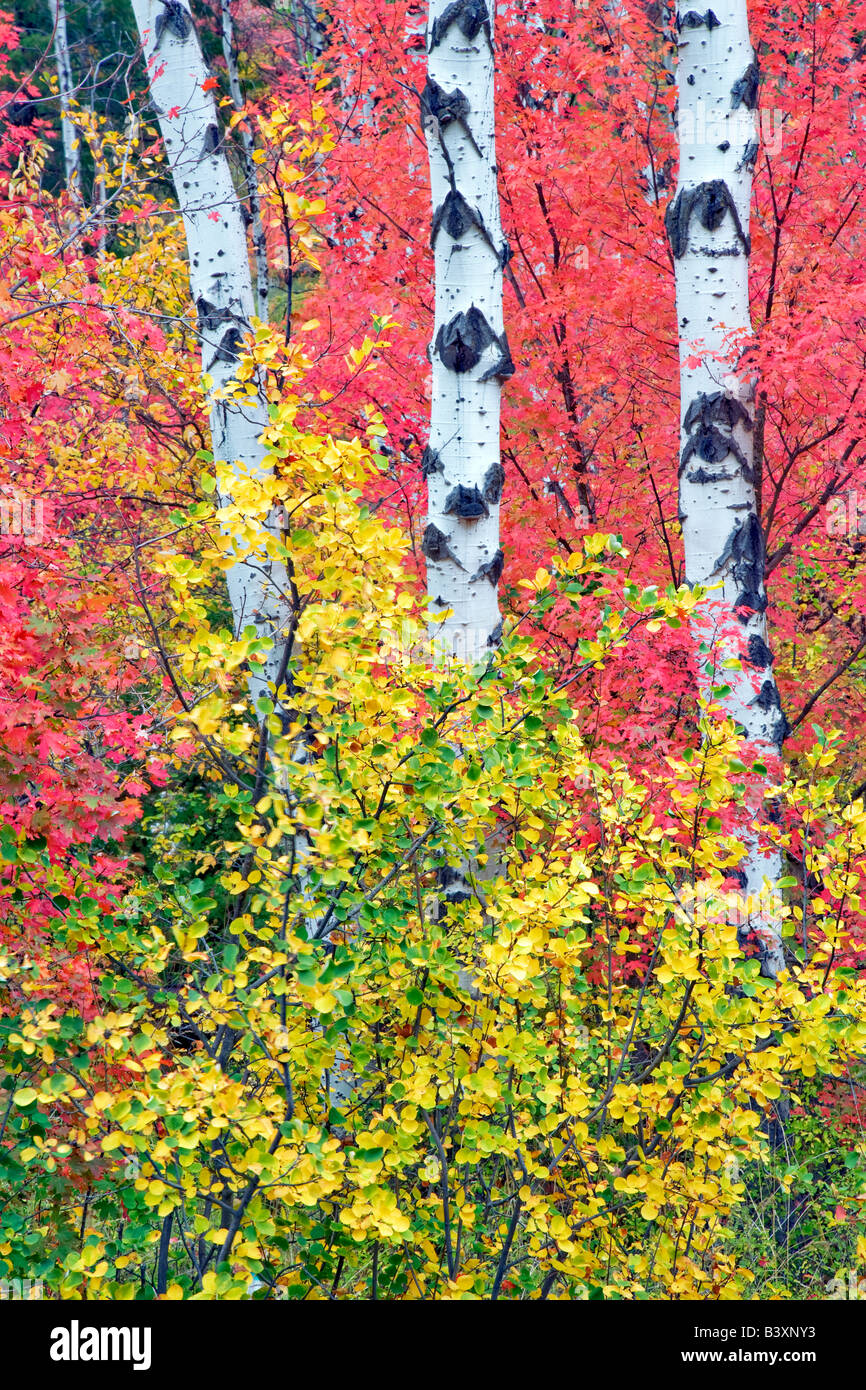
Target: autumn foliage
x=246, y=1050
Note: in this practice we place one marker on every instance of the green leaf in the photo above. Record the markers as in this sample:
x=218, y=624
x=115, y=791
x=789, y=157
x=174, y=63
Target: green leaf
x=370, y=1155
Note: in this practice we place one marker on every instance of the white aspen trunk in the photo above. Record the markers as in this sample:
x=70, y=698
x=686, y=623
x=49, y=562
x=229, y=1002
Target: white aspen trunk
x=251, y=176
x=469, y=353
x=708, y=229
x=470, y=360
x=658, y=177
x=307, y=27
x=71, y=142
x=221, y=286
x=99, y=192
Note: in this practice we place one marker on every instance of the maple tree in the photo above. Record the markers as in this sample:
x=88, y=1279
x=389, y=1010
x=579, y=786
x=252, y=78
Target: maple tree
x=252, y=1045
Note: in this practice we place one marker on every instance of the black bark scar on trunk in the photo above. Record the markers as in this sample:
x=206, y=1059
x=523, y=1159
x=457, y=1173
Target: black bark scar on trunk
x=758, y=653
x=175, y=19
x=462, y=342
x=212, y=323
x=504, y=367
x=710, y=421
x=453, y=885
x=456, y=216
x=493, y=482
x=745, y=548
x=710, y=201
x=434, y=545
x=465, y=503
x=230, y=346
x=440, y=109
x=471, y=17
x=430, y=462
x=768, y=699
x=210, y=316
x=211, y=141
x=448, y=108
x=702, y=477
x=693, y=20
x=745, y=90
x=492, y=570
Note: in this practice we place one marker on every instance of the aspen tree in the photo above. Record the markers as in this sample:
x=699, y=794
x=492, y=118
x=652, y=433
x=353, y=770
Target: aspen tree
x=708, y=229
x=221, y=284
x=71, y=141
x=469, y=352
x=251, y=177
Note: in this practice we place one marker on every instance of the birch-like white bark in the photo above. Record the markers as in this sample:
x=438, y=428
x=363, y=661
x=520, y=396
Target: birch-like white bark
x=71, y=142
x=251, y=173
x=307, y=27
x=469, y=352
x=221, y=287
x=708, y=229
x=99, y=192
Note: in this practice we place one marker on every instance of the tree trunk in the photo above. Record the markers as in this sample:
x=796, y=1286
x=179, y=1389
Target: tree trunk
x=221, y=286
x=708, y=229
x=469, y=352
x=308, y=29
x=71, y=142
x=260, y=246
